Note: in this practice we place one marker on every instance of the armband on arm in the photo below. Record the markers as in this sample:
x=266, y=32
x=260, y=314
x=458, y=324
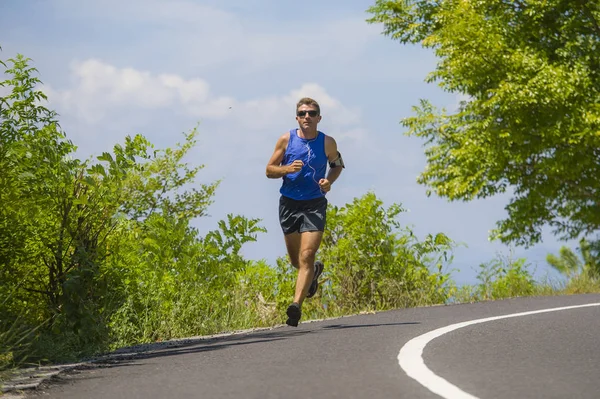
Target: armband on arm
x=338, y=162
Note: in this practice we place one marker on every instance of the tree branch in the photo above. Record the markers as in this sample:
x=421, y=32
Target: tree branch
x=47, y=293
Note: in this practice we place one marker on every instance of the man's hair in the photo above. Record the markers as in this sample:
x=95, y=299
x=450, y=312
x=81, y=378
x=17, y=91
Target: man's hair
x=308, y=101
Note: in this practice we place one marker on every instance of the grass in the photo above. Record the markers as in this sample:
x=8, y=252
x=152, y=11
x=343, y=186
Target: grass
x=15, y=343
x=503, y=278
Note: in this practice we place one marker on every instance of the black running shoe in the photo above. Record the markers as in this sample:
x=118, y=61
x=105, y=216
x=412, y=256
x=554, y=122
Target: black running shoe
x=319, y=266
x=294, y=314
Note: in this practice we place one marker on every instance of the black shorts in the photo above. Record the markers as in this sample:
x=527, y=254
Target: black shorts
x=302, y=215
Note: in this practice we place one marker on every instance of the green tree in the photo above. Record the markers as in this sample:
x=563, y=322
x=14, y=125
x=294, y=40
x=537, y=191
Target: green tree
x=570, y=265
x=34, y=163
x=530, y=123
x=101, y=252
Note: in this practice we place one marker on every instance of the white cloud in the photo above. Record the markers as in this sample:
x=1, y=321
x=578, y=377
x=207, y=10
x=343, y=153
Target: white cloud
x=98, y=88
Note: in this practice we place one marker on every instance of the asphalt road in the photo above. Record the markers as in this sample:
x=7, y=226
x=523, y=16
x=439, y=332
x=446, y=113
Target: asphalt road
x=544, y=355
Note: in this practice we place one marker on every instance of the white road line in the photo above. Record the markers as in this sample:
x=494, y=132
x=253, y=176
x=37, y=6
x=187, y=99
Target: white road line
x=411, y=361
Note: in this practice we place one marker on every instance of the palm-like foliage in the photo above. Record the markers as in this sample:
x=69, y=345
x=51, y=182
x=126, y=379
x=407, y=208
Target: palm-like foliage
x=571, y=265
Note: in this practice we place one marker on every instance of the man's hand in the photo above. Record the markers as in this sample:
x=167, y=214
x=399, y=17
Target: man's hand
x=325, y=185
x=295, y=166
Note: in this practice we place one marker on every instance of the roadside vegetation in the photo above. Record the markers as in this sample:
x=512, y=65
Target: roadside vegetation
x=101, y=253
x=528, y=124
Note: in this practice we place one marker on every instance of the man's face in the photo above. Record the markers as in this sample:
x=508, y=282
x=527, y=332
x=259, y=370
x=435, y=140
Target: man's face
x=308, y=116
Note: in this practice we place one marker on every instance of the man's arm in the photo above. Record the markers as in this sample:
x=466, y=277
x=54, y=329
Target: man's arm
x=274, y=168
x=331, y=150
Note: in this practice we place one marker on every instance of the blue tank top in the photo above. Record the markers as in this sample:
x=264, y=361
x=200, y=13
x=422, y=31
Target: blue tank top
x=303, y=185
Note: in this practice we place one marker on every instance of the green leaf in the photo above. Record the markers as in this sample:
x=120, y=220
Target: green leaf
x=530, y=122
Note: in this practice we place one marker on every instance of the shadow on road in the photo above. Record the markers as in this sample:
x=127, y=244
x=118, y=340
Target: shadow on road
x=345, y=326
x=197, y=345
x=131, y=356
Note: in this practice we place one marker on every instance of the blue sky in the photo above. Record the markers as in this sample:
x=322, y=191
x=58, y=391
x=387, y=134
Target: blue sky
x=116, y=68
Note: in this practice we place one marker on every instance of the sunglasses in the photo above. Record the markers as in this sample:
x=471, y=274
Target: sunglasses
x=311, y=113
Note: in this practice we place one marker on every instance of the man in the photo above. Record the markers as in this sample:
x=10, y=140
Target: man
x=300, y=159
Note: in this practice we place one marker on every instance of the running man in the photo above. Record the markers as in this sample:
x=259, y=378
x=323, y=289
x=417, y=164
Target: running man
x=300, y=158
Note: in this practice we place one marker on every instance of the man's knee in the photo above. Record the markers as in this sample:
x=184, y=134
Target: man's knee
x=307, y=256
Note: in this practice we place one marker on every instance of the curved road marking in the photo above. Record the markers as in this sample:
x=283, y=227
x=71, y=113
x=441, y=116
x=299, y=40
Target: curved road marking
x=411, y=361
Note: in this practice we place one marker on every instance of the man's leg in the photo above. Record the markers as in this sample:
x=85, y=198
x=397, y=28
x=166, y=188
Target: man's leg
x=309, y=244
x=302, y=248
x=292, y=243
